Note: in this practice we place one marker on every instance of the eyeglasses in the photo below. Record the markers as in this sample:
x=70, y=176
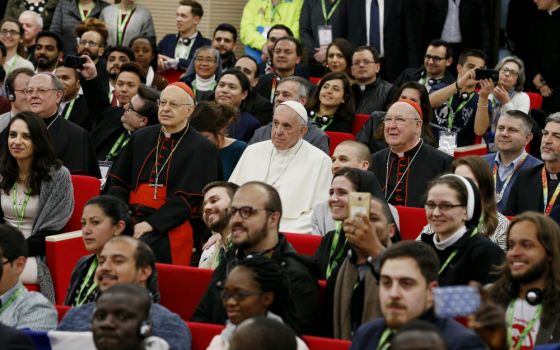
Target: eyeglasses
x=245, y=212
x=12, y=33
x=128, y=107
x=173, y=105
x=364, y=62
x=205, y=59
x=237, y=296
x=436, y=59
x=39, y=91
x=443, y=207
x=398, y=120
x=87, y=43
x=509, y=71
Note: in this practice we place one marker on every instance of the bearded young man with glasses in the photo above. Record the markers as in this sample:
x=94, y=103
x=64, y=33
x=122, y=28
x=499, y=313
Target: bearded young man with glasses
x=256, y=211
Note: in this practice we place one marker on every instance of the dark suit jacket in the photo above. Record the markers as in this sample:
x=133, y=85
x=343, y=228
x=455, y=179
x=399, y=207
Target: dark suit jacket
x=11, y=339
x=526, y=192
x=167, y=47
x=400, y=31
x=415, y=74
x=80, y=113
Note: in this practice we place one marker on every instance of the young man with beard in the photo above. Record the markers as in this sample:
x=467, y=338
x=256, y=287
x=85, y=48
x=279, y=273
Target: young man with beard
x=255, y=213
x=225, y=37
x=116, y=57
x=93, y=34
x=217, y=196
x=48, y=51
x=529, y=280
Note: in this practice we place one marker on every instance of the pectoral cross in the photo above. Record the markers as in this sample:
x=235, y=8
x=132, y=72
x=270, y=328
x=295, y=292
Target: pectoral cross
x=155, y=185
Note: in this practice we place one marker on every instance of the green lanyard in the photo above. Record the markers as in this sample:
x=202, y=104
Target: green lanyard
x=79, y=299
x=384, y=340
x=121, y=24
x=527, y=329
x=81, y=10
x=452, y=255
x=328, y=16
x=451, y=115
x=12, y=65
x=332, y=258
x=69, y=109
x=11, y=299
x=117, y=147
x=20, y=214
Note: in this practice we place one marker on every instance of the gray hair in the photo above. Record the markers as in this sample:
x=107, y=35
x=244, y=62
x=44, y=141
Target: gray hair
x=215, y=53
x=554, y=117
x=521, y=75
x=56, y=84
x=38, y=18
x=303, y=85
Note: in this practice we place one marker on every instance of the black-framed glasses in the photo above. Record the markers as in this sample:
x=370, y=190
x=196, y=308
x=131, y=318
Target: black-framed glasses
x=443, y=207
x=245, y=212
x=237, y=296
x=128, y=107
x=436, y=59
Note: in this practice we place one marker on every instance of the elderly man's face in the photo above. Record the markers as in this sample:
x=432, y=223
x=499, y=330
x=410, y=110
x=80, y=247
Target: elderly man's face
x=401, y=127
x=30, y=27
x=286, y=128
x=42, y=98
x=174, y=108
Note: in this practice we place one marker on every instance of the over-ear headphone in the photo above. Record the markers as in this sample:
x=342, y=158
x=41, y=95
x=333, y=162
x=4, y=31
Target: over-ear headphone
x=465, y=96
x=320, y=119
x=144, y=329
x=534, y=296
x=432, y=81
x=184, y=41
x=9, y=93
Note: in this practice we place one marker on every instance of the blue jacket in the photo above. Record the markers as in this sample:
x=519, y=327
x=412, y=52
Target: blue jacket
x=456, y=336
x=530, y=162
x=167, y=47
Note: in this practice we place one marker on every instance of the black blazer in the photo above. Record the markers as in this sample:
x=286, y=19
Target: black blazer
x=526, y=192
x=11, y=339
x=167, y=47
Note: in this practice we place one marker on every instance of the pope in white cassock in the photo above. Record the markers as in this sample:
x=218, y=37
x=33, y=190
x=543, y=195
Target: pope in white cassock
x=300, y=172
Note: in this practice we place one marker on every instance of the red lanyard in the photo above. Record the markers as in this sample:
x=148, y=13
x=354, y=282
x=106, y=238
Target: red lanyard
x=548, y=205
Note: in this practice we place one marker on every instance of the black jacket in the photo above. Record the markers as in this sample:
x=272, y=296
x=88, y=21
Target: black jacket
x=415, y=74
x=304, y=288
x=376, y=97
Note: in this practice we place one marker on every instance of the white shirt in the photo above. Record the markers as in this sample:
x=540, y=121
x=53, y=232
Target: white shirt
x=523, y=313
x=381, y=4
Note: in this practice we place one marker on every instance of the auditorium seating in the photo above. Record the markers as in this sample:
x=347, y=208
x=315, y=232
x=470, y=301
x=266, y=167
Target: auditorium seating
x=62, y=310
x=172, y=75
x=535, y=100
x=358, y=122
x=336, y=138
x=85, y=187
x=304, y=244
x=314, y=80
x=318, y=343
x=412, y=220
x=182, y=287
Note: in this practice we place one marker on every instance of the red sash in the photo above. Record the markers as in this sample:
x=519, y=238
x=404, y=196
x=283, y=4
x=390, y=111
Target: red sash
x=180, y=237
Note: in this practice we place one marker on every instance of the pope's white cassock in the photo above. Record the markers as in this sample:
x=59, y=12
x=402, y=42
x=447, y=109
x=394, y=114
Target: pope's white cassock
x=301, y=175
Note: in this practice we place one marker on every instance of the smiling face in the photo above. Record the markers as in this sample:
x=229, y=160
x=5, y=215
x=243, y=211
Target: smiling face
x=445, y=222
x=126, y=87
x=511, y=135
x=114, y=62
x=526, y=257
x=215, y=215
x=285, y=56
x=338, y=197
x=20, y=143
x=229, y=91
x=205, y=64
x=436, y=64
x=332, y=93
x=46, y=53
x=336, y=60
x=10, y=35
x=223, y=42
x=98, y=228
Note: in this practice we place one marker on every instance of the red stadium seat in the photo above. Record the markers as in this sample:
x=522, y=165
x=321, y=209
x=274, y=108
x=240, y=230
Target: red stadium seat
x=318, y=343
x=336, y=138
x=31, y=287
x=358, y=122
x=472, y=150
x=314, y=80
x=85, y=187
x=63, y=252
x=182, y=287
x=536, y=100
x=62, y=310
x=412, y=220
x=172, y=75
x=202, y=334
x=304, y=244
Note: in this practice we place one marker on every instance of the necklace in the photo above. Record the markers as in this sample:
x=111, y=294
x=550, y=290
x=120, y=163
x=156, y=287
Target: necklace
x=285, y=167
x=156, y=184
x=404, y=173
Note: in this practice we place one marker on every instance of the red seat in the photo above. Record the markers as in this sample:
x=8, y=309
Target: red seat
x=182, y=287
x=85, y=187
x=412, y=220
x=172, y=75
x=318, y=343
x=63, y=252
x=358, y=122
x=202, y=334
x=314, y=80
x=303, y=243
x=472, y=150
x=62, y=310
x=31, y=287
x=535, y=100
x=336, y=138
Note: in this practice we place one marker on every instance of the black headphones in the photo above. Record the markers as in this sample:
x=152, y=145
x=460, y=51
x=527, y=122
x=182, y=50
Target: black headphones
x=185, y=41
x=465, y=96
x=144, y=329
x=534, y=296
x=431, y=81
x=9, y=93
x=320, y=119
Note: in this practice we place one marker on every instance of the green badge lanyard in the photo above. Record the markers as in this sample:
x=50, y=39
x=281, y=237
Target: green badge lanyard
x=81, y=10
x=69, y=109
x=527, y=329
x=121, y=24
x=11, y=299
x=328, y=16
x=454, y=253
x=79, y=299
x=452, y=113
x=20, y=214
x=332, y=257
x=384, y=340
x=118, y=146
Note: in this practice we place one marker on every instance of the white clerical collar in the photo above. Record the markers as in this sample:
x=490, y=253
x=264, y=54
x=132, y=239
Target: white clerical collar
x=205, y=84
x=442, y=245
x=291, y=150
x=514, y=162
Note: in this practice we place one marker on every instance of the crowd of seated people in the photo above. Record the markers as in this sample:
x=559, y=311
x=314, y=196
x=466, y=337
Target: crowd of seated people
x=212, y=160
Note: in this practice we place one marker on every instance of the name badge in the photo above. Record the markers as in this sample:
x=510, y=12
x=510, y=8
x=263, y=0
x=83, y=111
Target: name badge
x=325, y=35
x=448, y=142
x=264, y=31
x=104, y=167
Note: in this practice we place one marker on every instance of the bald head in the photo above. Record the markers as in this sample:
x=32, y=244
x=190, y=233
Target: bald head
x=351, y=154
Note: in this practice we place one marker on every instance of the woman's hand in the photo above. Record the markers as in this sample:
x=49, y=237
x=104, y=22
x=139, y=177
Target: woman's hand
x=502, y=95
x=142, y=228
x=362, y=236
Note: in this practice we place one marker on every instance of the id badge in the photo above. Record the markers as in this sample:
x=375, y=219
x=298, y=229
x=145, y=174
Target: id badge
x=325, y=35
x=104, y=167
x=448, y=141
x=264, y=32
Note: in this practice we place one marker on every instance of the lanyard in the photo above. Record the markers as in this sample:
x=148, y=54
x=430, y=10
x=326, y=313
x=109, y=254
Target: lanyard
x=528, y=326
x=69, y=109
x=20, y=214
x=506, y=181
x=332, y=257
x=328, y=16
x=548, y=205
x=12, y=65
x=118, y=146
x=121, y=24
x=454, y=253
x=81, y=8
x=384, y=340
x=11, y=299
x=273, y=88
x=79, y=299
x=452, y=112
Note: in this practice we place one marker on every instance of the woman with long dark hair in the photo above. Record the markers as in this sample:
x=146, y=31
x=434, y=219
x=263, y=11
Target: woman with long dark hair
x=339, y=56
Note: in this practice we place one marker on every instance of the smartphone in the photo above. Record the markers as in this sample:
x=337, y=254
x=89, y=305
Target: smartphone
x=73, y=62
x=487, y=74
x=456, y=301
x=358, y=203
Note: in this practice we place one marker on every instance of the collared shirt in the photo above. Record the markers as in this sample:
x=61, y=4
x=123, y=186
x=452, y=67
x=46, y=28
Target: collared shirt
x=182, y=50
x=381, y=4
x=29, y=310
x=505, y=170
x=451, y=29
